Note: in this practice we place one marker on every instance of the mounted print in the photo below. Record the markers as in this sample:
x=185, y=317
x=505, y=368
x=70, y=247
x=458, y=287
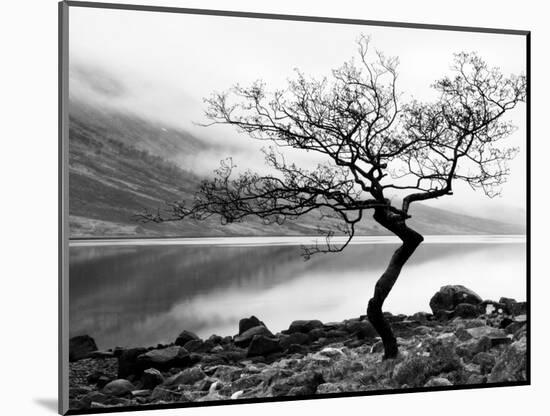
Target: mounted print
x=262, y=207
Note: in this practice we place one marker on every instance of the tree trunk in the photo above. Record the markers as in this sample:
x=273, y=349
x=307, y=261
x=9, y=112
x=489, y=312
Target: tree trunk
x=411, y=240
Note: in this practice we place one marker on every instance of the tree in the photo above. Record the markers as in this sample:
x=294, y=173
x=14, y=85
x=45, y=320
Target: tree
x=372, y=145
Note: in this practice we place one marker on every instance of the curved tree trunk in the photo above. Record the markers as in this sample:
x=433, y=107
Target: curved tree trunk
x=411, y=240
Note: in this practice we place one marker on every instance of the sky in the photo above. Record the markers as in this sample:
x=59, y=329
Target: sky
x=162, y=65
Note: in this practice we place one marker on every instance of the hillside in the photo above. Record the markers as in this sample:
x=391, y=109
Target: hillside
x=120, y=164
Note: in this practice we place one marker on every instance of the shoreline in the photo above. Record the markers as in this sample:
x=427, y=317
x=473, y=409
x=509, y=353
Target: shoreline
x=463, y=342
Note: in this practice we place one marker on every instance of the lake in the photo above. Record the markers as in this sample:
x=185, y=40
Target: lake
x=144, y=292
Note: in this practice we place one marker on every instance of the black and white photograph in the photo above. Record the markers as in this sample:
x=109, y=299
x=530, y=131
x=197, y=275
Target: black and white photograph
x=270, y=208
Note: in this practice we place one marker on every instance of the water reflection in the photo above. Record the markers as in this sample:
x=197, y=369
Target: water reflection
x=142, y=295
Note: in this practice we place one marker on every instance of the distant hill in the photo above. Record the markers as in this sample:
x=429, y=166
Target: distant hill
x=120, y=164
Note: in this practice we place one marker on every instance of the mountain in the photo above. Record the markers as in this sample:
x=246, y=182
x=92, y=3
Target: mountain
x=120, y=163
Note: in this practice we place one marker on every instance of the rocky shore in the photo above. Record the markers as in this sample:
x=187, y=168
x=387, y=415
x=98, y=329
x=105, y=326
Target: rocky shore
x=464, y=341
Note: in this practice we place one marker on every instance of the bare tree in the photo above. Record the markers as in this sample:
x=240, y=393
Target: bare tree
x=372, y=145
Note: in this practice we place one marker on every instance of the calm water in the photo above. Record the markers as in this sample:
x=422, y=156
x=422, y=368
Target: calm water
x=140, y=292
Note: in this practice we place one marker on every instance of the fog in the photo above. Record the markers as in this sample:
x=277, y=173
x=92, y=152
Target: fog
x=162, y=65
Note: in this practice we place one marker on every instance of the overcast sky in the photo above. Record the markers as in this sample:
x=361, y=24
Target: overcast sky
x=164, y=64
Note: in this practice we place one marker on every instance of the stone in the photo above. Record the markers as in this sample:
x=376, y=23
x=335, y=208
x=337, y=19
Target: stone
x=246, y=323
x=236, y=395
x=119, y=387
x=81, y=347
x=513, y=307
x=141, y=393
x=227, y=373
x=467, y=310
x=462, y=334
x=316, y=334
x=438, y=382
x=246, y=337
x=448, y=297
x=185, y=337
x=304, y=326
x=165, y=358
x=297, y=338
x=128, y=364
x=361, y=329
x=151, y=378
x=262, y=345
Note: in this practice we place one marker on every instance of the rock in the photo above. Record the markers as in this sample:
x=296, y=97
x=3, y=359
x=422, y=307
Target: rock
x=297, y=349
x=438, y=382
x=476, y=379
x=262, y=345
x=489, y=307
x=187, y=376
x=304, y=326
x=165, y=358
x=101, y=355
x=151, y=378
x=297, y=338
x=119, y=387
x=448, y=297
x=81, y=347
x=185, y=337
x=361, y=329
x=511, y=364
x=128, y=364
x=200, y=346
x=467, y=310
x=245, y=338
x=246, y=323
x=422, y=317
x=316, y=334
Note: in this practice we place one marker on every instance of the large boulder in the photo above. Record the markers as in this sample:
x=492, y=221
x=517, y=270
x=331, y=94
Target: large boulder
x=262, y=345
x=304, y=326
x=128, y=364
x=165, y=358
x=246, y=323
x=244, y=339
x=449, y=297
x=185, y=337
x=81, y=347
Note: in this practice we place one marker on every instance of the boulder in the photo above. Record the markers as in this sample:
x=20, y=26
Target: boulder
x=128, y=364
x=245, y=338
x=297, y=338
x=81, y=347
x=185, y=337
x=262, y=345
x=304, y=326
x=513, y=307
x=412, y=371
x=119, y=387
x=485, y=361
x=449, y=297
x=246, y=323
x=165, y=358
x=151, y=378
